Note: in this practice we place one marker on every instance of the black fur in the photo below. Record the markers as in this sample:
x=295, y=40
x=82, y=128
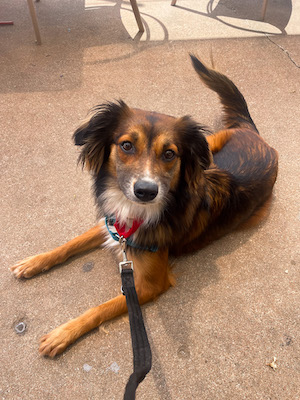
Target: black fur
x=97, y=136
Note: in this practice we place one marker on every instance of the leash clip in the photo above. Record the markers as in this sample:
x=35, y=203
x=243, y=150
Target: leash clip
x=125, y=264
x=123, y=244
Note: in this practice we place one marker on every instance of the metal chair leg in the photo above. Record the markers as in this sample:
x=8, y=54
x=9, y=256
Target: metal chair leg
x=137, y=15
x=264, y=9
x=34, y=21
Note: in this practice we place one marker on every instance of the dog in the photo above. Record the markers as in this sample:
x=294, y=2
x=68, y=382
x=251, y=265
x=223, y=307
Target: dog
x=168, y=186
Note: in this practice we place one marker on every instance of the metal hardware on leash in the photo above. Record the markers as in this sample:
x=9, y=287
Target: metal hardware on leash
x=123, y=244
x=125, y=264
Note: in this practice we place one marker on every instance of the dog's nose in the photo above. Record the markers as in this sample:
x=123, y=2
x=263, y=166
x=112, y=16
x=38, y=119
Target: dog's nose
x=145, y=190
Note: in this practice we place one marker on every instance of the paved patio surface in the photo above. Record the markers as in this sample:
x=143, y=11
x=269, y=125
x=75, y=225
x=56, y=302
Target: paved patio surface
x=236, y=303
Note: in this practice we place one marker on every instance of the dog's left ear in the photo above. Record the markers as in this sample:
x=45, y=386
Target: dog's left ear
x=96, y=135
x=196, y=155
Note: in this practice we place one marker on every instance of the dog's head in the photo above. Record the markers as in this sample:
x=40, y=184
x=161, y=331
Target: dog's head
x=139, y=159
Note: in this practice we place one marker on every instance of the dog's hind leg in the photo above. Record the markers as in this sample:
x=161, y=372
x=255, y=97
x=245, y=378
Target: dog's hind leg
x=218, y=140
x=152, y=277
x=43, y=262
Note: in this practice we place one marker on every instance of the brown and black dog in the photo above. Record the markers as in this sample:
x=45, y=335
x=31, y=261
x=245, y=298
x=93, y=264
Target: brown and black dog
x=166, y=184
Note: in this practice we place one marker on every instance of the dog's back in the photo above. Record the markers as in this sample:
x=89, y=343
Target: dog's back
x=244, y=168
x=250, y=160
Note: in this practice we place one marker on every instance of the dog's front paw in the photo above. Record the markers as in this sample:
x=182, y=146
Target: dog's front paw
x=57, y=341
x=31, y=266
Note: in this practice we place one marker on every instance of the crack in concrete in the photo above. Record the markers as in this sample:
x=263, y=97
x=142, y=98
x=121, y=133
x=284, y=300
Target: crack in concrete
x=284, y=50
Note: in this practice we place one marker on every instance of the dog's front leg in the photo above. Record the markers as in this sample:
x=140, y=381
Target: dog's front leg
x=42, y=262
x=152, y=277
x=60, y=338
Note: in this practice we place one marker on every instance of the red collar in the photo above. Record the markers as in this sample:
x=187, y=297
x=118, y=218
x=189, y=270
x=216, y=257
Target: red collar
x=121, y=229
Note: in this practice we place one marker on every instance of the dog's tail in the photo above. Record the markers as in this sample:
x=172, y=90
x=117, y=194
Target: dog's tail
x=236, y=113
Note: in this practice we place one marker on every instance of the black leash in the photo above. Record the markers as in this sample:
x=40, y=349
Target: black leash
x=142, y=356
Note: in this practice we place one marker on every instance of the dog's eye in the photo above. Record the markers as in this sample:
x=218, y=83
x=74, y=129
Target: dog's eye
x=169, y=155
x=127, y=147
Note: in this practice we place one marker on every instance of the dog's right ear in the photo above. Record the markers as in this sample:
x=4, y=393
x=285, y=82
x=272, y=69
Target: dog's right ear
x=96, y=135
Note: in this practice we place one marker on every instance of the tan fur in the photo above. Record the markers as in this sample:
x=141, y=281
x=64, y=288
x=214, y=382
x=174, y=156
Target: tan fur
x=218, y=140
x=43, y=262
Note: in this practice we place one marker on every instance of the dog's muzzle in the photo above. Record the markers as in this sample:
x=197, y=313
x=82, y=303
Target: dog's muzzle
x=145, y=190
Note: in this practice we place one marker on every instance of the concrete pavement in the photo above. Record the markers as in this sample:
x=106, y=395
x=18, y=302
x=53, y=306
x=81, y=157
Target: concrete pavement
x=236, y=303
